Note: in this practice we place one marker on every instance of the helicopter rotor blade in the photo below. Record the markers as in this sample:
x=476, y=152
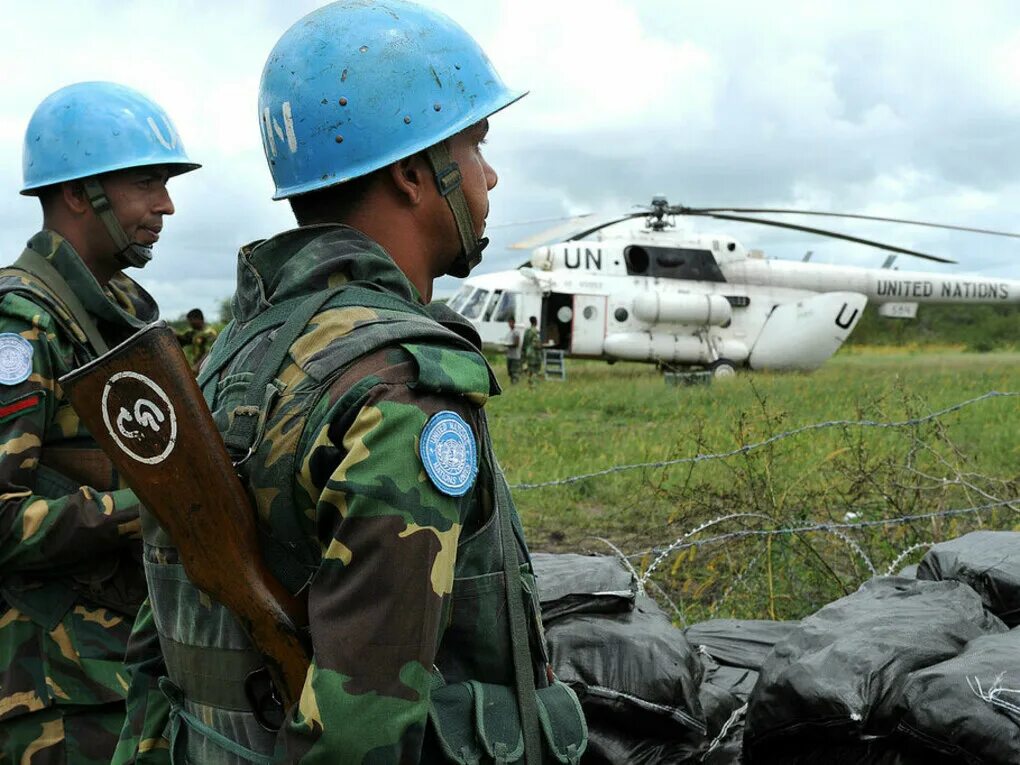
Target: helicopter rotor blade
x=856, y=216
x=604, y=224
x=536, y=221
x=548, y=235
x=820, y=232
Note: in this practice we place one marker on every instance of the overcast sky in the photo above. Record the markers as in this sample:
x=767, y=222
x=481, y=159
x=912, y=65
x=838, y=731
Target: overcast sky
x=910, y=109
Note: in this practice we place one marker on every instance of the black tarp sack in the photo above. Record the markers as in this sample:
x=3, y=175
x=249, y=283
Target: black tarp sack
x=609, y=743
x=571, y=583
x=988, y=561
x=836, y=680
x=733, y=651
x=738, y=642
x=636, y=666
x=968, y=708
x=636, y=675
x=724, y=694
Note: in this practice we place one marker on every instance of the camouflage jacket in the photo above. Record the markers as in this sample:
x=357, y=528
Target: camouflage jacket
x=386, y=558
x=532, y=344
x=197, y=343
x=69, y=557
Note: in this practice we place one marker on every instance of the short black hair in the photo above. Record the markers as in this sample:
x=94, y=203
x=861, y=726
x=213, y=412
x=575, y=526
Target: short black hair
x=196, y=313
x=533, y=320
x=332, y=204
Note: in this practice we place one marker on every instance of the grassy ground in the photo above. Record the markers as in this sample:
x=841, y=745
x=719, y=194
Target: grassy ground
x=604, y=416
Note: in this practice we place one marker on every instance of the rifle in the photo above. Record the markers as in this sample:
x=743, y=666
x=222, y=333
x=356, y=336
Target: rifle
x=142, y=405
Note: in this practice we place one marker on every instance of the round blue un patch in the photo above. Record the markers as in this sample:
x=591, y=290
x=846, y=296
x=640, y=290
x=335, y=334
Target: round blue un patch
x=15, y=359
x=449, y=453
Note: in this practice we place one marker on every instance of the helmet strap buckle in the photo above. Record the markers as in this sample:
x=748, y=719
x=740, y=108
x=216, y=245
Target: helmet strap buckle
x=449, y=179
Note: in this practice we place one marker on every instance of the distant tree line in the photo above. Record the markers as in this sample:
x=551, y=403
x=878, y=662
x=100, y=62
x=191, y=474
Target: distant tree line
x=978, y=327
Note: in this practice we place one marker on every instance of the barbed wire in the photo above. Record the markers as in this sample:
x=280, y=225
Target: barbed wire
x=906, y=553
x=682, y=542
x=912, y=422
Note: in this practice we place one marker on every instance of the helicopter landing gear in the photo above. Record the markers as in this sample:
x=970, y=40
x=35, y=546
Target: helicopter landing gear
x=722, y=368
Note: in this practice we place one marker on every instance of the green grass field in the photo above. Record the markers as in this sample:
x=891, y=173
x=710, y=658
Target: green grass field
x=604, y=416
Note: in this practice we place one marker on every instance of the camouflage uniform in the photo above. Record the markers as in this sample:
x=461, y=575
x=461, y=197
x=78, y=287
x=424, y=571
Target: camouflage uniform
x=69, y=555
x=400, y=577
x=198, y=341
x=532, y=350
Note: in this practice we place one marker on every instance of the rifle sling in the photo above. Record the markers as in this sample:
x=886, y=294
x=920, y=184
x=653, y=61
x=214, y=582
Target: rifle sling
x=35, y=265
x=524, y=673
x=209, y=675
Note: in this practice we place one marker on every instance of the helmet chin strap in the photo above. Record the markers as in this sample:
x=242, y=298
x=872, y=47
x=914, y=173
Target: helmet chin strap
x=130, y=254
x=448, y=180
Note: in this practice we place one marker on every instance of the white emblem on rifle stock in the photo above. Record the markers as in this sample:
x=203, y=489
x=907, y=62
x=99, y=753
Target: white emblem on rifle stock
x=142, y=425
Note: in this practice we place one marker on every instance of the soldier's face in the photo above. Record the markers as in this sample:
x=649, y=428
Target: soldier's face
x=140, y=199
x=479, y=177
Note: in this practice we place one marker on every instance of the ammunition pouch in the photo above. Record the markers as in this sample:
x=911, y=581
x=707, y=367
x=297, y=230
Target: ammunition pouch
x=475, y=723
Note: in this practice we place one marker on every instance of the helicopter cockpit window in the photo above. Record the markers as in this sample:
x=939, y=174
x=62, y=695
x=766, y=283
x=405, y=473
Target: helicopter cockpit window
x=492, y=305
x=507, y=308
x=460, y=298
x=473, y=306
x=637, y=260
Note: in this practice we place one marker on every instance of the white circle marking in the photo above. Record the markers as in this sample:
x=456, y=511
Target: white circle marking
x=145, y=420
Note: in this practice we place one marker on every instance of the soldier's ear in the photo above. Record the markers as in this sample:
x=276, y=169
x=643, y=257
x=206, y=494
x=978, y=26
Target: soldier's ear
x=72, y=194
x=410, y=176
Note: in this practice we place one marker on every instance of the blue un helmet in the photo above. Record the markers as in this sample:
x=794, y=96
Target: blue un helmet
x=355, y=86
x=90, y=128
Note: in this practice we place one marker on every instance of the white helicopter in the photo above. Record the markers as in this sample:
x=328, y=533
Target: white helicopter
x=662, y=296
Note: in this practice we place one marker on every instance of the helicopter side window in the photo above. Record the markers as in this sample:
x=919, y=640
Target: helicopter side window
x=507, y=308
x=460, y=298
x=681, y=263
x=669, y=259
x=637, y=260
x=492, y=305
x=475, y=304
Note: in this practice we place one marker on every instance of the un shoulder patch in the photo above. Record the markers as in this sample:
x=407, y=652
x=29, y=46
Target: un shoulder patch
x=15, y=359
x=449, y=453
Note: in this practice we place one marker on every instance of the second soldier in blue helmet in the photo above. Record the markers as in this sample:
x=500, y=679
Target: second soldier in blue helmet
x=98, y=156
x=355, y=411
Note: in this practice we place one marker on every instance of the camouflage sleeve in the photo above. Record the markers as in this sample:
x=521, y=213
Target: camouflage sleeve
x=36, y=532
x=143, y=739
x=378, y=599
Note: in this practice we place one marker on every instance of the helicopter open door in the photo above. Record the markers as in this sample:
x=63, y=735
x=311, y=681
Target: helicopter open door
x=805, y=334
x=574, y=323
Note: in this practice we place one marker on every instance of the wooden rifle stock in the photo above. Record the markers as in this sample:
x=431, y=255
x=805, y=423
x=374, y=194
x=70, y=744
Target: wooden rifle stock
x=142, y=404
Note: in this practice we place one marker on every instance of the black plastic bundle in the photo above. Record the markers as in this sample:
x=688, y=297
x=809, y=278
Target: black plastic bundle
x=988, y=561
x=836, y=681
x=968, y=708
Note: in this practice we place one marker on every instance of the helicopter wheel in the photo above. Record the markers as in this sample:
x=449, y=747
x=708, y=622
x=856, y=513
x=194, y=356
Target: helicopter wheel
x=722, y=368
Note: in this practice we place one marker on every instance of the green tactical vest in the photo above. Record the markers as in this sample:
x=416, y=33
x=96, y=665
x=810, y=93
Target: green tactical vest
x=486, y=678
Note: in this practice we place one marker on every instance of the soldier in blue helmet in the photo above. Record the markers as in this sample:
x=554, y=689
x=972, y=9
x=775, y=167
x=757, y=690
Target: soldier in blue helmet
x=355, y=410
x=98, y=156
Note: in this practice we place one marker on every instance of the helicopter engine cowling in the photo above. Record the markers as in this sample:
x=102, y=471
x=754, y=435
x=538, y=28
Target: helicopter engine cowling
x=679, y=349
x=655, y=307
